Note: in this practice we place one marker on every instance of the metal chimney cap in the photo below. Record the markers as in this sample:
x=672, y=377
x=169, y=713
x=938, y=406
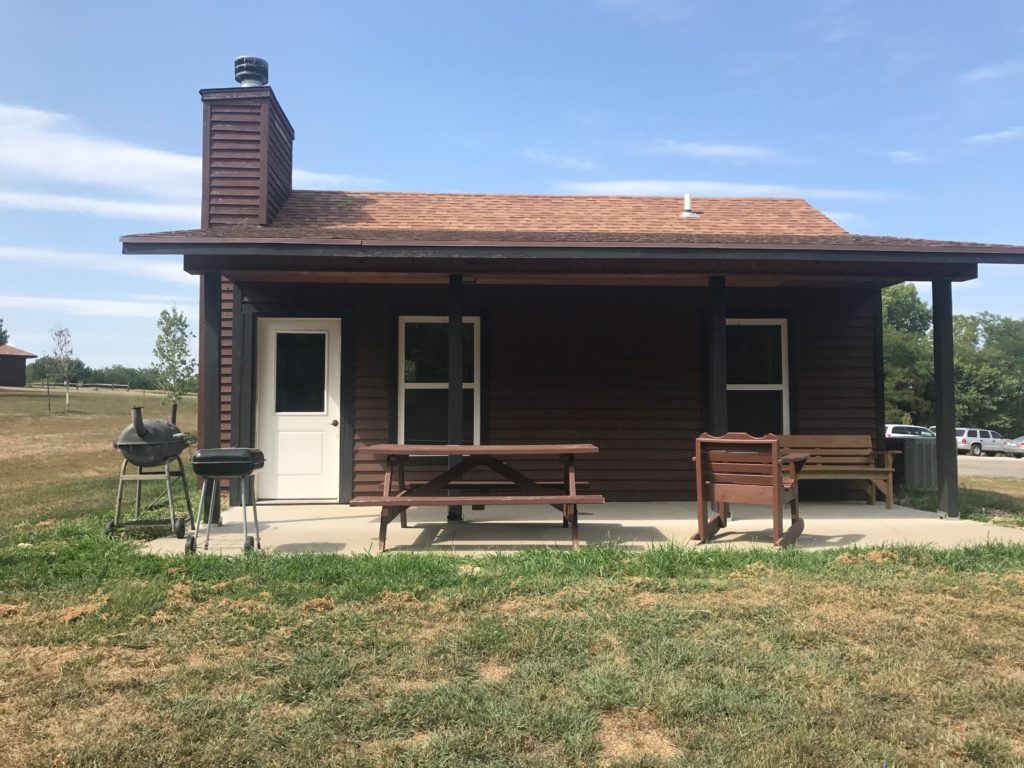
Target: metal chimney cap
x=251, y=71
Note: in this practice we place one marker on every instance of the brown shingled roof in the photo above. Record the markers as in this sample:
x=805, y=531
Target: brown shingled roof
x=7, y=349
x=549, y=213
x=420, y=218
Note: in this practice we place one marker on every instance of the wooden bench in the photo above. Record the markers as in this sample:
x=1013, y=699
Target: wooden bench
x=397, y=506
x=844, y=457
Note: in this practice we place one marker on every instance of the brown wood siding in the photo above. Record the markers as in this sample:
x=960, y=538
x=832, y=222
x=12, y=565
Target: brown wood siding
x=12, y=370
x=617, y=367
x=234, y=156
x=247, y=157
x=279, y=160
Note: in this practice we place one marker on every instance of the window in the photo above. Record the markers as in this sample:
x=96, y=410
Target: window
x=423, y=380
x=757, y=372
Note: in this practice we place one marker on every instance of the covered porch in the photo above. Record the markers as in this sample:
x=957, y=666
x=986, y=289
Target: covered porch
x=340, y=529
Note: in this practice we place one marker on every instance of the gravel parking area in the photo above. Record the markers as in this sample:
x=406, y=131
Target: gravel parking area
x=990, y=466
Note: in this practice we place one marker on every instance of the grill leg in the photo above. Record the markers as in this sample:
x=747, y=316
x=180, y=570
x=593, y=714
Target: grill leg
x=184, y=488
x=245, y=516
x=214, y=493
x=138, y=496
x=120, y=494
x=170, y=496
x=255, y=516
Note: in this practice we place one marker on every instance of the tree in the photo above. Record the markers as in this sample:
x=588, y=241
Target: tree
x=175, y=366
x=4, y=336
x=904, y=310
x=63, y=357
x=907, y=356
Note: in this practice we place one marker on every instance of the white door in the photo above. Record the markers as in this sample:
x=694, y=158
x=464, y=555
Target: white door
x=298, y=409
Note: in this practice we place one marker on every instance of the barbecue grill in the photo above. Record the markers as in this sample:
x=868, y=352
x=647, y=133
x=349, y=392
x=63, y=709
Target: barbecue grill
x=147, y=444
x=214, y=465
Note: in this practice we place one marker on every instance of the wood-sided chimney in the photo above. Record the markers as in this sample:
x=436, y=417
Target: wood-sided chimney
x=247, y=149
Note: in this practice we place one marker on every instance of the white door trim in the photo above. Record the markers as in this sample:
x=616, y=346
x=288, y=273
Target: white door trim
x=302, y=448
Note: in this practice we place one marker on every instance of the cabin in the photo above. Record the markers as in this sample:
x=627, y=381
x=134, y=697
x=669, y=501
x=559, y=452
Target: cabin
x=333, y=320
x=12, y=365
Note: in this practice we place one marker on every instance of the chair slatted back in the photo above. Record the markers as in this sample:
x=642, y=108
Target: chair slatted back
x=738, y=468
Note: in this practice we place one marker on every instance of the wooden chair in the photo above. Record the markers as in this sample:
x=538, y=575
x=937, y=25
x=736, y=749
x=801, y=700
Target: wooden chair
x=739, y=469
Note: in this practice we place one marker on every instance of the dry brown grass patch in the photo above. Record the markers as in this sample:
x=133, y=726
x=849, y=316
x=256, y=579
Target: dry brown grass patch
x=80, y=611
x=319, y=605
x=11, y=609
x=632, y=735
x=491, y=672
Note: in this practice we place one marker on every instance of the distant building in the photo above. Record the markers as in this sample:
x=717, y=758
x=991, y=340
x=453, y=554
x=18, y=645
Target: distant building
x=12, y=366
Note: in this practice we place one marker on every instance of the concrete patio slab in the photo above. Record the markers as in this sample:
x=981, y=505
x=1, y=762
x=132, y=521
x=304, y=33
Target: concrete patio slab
x=342, y=529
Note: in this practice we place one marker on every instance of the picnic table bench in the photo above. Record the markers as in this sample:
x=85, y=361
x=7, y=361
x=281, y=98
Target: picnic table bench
x=844, y=457
x=514, y=487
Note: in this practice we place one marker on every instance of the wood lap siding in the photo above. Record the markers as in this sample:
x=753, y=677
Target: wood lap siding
x=832, y=341
x=619, y=367
x=279, y=159
x=616, y=368
x=234, y=147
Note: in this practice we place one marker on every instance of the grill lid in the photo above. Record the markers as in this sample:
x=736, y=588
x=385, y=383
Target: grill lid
x=227, y=462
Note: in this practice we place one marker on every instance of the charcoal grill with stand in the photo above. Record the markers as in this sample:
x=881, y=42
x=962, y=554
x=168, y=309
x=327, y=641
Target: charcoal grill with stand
x=153, y=445
x=214, y=465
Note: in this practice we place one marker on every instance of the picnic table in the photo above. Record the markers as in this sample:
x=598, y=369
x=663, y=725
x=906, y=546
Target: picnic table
x=513, y=487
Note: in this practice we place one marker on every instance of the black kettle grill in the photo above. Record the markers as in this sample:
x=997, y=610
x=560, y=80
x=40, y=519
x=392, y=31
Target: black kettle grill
x=147, y=444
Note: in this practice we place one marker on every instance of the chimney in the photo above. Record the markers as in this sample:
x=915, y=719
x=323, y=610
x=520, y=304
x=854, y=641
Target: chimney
x=247, y=149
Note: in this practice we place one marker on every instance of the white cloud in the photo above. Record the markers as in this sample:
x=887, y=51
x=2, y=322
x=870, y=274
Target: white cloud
x=49, y=163
x=35, y=201
x=905, y=157
x=313, y=180
x=149, y=267
x=702, y=149
x=565, y=162
x=713, y=189
x=47, y=145
x=993, y=72
x=1010, y=134
x=92, y=307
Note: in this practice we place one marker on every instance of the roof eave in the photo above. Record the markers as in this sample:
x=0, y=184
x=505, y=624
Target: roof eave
x=145, y=245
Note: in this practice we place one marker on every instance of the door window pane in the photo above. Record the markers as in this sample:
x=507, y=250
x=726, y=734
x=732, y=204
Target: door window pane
x=754, y=354
x=426, y=353
x=301, y=369
x=426, y=416
x=755, y=412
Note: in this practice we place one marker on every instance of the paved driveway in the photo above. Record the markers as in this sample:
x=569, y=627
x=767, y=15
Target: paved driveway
x=990, y=466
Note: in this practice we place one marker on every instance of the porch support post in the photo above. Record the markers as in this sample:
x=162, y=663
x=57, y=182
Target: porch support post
x=209, y=367
x=945, y=416
x=454, y=375
x=718, y=411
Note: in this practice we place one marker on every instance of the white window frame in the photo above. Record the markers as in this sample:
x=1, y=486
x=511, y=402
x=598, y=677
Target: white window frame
x=784, y=386
x=404, y=386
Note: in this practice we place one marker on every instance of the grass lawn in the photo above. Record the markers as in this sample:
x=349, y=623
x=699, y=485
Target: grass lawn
x=988, y=499
x=599, y=657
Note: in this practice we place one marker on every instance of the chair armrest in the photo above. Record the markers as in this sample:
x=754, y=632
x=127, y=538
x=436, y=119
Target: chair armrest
x=795, y=461
x=887, y=457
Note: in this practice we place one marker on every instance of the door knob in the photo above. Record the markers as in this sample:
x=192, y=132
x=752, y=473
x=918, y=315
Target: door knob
x=334, y=423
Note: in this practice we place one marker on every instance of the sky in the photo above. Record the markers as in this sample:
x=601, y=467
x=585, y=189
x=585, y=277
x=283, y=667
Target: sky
x=895, y=118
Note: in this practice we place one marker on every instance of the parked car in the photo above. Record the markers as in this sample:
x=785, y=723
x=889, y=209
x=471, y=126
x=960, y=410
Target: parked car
x=907, y=430
x=1014, y=447
x=978, y=441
